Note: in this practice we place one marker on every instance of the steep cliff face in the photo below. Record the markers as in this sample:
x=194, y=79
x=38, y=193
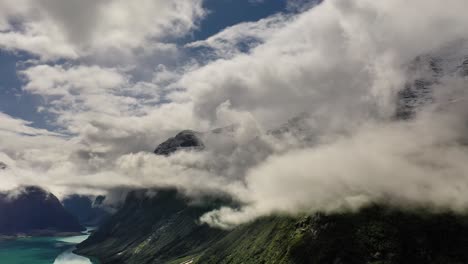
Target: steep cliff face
x=32, y=210
x=426, y=72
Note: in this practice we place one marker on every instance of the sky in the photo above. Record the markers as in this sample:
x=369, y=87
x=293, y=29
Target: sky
x=306, y=93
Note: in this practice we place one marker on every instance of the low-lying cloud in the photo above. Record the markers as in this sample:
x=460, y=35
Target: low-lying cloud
x=339, y=66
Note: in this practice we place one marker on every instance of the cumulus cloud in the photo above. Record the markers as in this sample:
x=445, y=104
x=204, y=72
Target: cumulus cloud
x=9, y=124
x=340, y=67
x=54, y=29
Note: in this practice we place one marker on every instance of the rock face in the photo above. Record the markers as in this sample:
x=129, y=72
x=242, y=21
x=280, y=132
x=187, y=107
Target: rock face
x=426, y=72
x=32, y=210
x=3, y=166
x=186, y=139
x=88, y=210
x=417, y=92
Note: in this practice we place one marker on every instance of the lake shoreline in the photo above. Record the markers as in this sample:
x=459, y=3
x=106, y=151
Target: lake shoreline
x=93, y=259
x=41, y=233
x=56, y=249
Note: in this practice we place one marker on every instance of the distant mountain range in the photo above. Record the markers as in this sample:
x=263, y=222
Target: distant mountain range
x=31, y=210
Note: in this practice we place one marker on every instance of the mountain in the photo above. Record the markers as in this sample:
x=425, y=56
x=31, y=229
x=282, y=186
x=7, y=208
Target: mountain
x=162, y=226
x=425, y=72
x=88, y=210
x=164, y=229
x=186, y=139
x=156, y=226
x=32, y=210
x=153, y=228
x=375, y=234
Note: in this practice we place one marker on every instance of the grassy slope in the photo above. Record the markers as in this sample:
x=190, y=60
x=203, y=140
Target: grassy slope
x=263, y=241
x=151, y=230
x=375, y=235
x=163, y=229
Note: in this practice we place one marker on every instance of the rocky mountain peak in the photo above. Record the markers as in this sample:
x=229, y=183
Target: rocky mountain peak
x=186, y=139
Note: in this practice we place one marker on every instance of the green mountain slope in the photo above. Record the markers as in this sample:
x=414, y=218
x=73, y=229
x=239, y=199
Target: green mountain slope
x=375, y=235
x=152, y=230
x=164, y=229
x=266, y=240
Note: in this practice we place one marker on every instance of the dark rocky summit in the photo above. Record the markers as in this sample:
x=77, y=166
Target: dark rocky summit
x=3, y=166
x=186, y=139
x=32, y=210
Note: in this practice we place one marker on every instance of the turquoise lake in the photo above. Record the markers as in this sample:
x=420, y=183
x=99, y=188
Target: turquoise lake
x=42, y=250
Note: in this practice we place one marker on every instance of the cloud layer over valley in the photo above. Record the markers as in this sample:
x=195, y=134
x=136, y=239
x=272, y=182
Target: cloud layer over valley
x=121, y=81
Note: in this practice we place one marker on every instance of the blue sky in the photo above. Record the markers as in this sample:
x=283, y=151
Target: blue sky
x=13, y=100
x=226, y=13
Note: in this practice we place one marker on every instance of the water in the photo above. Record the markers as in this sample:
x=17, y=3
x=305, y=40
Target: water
x=42, y=250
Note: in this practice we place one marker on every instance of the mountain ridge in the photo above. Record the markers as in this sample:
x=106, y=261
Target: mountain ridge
x=31, y=210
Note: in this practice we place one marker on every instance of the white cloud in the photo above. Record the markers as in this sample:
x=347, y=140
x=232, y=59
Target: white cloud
x=417, y=163
x=340, y=59
x=342, y=63
x=301, y=5
x=55, y=29
x=242, y=37
x=9, y=124
x=58, y=81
